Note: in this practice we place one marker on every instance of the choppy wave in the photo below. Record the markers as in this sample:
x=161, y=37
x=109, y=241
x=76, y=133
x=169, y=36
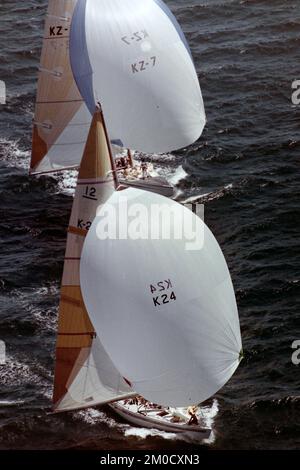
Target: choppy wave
x=12, y=155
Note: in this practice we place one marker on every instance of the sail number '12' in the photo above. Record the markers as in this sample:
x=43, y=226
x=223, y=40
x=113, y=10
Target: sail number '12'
x=163, y=293
x=90, y=193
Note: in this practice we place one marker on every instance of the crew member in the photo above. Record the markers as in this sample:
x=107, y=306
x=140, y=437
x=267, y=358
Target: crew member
x=144, y=168
x=192, y=410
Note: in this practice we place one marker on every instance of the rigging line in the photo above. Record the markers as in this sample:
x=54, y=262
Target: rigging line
x=42, y=124
x=55, y=73
x=94, y=182
x=86, y=374
x=56, y=37
x=92, y=334
x=59, y=102
x=70, y=143
x=53, y=171
x=62, y=18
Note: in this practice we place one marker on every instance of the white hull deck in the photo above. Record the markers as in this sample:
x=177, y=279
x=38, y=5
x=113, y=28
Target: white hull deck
x=150, y=419
x=132, y=176
x=154, y=184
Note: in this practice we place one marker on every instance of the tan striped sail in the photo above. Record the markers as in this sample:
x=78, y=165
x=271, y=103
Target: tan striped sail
x=62, y=120
x=84, y=375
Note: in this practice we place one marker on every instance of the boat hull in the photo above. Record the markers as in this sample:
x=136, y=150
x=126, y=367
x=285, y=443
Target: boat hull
x=154, y=184
x=139, y=419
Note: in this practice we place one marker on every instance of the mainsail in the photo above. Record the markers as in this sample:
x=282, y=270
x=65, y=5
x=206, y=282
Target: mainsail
x=84, y=375
x=176, y=307
x=132, y=56
x=62, y=120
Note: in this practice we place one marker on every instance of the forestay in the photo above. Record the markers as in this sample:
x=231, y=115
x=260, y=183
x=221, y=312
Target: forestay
x=132, y=56
x=166, y=314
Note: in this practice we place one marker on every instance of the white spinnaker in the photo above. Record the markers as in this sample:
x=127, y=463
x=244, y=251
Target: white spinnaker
x=131, y=55
x=174, y=353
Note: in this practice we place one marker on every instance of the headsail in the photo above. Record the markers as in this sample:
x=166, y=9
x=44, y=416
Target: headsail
x=62, y=120
x=131, y=55
x=84, y=374
x=177, y=311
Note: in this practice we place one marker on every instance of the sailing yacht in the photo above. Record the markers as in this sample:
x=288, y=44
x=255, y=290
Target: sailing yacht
x=62, y=119
x=85, y=376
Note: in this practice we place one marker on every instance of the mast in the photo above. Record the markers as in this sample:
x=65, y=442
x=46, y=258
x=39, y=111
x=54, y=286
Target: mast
x=84, y=374
x=111, y=157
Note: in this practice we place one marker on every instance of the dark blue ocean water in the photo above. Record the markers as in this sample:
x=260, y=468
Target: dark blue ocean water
x=247, y=163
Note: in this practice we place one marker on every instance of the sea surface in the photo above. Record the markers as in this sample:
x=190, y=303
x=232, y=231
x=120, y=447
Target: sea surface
x=246, y=164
